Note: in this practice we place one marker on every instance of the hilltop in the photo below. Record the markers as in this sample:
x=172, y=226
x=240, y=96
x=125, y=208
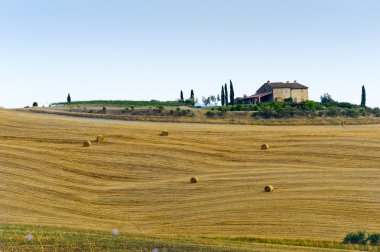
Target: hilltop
x=264, y=113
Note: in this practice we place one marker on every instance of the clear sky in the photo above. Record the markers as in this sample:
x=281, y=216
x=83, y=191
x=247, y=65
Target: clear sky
x=120, y=49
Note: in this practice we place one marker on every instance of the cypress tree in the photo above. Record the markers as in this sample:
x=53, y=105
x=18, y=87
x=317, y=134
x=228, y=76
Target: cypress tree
x=192, y=95
x=181, y=96
x=232, y=93
x=225, y=94
x=68, y=98
x=363, y=97
x=222, y=95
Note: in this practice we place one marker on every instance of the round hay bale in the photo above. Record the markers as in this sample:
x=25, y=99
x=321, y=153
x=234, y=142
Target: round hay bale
x=268, y=188
x=164, y=133
x=194, y=180
x=100, y=138
x=86, y=144
x=264, y=146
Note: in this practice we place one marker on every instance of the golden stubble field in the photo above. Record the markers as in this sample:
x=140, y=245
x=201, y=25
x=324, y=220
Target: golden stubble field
x=326, y=178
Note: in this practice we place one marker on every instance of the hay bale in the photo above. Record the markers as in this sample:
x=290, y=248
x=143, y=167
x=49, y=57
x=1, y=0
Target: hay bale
x=268, y=188
x=164, y=133
x=100, y=139
x=194, y=180
x=264, y=146
x=86, y=144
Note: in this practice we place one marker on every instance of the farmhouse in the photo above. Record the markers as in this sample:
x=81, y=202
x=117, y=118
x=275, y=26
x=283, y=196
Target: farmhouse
x=277, y=91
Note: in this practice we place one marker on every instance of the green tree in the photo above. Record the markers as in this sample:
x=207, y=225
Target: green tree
x=206, y=101
x=68, y=98
x=35, y=104
x=232, y=93
x=356, y=238
x=181, y=96
x=225, y=94
x=213, y=99
x=222, y=96
x=192, y=95
x=326, y=98
x=363, y=97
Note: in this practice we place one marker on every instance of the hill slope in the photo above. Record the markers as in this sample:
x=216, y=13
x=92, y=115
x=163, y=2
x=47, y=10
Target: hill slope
x=326, y=178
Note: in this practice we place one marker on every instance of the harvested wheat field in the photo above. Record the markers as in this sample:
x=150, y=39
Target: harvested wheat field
x=326, y=178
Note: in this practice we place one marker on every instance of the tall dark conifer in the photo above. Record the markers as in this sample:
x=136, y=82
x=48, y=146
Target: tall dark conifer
x=181, y=96
x=363, y=97
x=68, y=98
x=232, y=93
x=222, y=96
x=192, y=95
x=225, y=94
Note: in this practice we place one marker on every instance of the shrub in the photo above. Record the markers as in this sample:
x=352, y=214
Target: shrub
x=276, y=105
x=210, y=113
x=290, y=111
x=374, y=238
x=255, y=107
x=376, y=112
x=190, y=102
x=35, y=104
x=356, y=238
x=239, y=107
x=222, y=109
x=308, y=105
x=281, y=113
x=332, y=112
x=246, y=108
x=319, y=106
x=185, y=112
x=178, y=109
x=266, y=112
x=352, y=113
x=346, y=105
x=321, y=113
x=104, y=108
x=363, y=111
x=290, y=99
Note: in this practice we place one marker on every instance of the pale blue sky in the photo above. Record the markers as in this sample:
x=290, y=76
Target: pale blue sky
x=119, y=49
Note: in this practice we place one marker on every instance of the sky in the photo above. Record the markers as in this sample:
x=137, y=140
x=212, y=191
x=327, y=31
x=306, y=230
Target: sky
x=152, y=49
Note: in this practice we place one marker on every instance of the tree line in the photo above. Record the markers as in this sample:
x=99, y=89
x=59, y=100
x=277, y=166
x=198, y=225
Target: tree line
x=224, y=97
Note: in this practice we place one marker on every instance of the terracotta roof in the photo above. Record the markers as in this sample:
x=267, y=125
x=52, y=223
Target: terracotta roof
x=253, y=96
x=259, y=95
x=286, y=85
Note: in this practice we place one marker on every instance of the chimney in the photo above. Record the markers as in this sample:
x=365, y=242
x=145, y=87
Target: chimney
x=295, y=81
x=287, y=82
x=268, y=82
